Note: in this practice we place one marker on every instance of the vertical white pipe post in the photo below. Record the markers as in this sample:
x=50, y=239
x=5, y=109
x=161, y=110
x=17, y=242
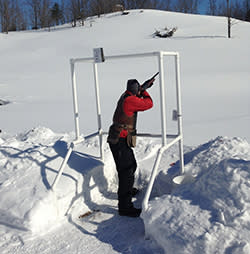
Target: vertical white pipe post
x=163, y=104
x=75, y=102
x=98, y=108
x=164, y=133
x=179, y=110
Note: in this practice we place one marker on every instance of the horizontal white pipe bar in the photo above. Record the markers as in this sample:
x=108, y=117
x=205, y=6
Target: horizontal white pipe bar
x=155, y=135
x=85, y=59
x=92, y=135
x=166, y=53
x=79, y=140
x=114, y=57
x=148, y=135
x=132, y=55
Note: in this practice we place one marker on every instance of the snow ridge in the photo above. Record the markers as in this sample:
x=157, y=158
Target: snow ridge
x=212, y=213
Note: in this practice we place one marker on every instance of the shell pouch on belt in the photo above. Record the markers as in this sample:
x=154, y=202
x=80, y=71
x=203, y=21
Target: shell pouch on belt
x=131, y=138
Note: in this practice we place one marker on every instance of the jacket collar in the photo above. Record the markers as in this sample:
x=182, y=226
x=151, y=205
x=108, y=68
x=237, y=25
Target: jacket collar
x=129, y=93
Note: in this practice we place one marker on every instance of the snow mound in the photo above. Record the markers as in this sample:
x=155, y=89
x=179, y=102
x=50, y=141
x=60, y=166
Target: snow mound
x=25, y=161
x=29, y=163
x=39, y=133
x=210, y=215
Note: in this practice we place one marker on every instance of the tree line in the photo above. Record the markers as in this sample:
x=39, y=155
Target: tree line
x=17, y=15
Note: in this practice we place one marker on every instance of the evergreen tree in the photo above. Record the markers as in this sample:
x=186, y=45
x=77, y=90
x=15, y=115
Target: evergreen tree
x=56, y=14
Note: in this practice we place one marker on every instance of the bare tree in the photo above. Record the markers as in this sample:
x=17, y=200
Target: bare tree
x=167, y=6
x=229, y=21
x=34, y=6
x=44, y=13
x=138, y=4
x=12, y=16
x=212, y=7
x=98, y=7
x=39, y=11
x=238, y=10
x=225, y=10
x=231, y=9
x=186, y=6
x=156, y=4
x=77, y=10
x=5, y=15
x=247, y=10
x=63, y=11
x=20, y=16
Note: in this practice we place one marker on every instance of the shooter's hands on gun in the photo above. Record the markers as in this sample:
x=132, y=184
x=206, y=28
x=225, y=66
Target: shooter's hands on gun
x=147, y=84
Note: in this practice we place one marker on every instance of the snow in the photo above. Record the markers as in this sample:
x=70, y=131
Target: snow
x=206, y=214
x=211, y=214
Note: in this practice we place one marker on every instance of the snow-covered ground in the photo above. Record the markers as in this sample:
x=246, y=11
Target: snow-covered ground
x=207, y=215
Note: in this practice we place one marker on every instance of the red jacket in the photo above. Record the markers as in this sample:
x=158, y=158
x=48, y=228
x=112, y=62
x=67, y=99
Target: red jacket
x=133, y=104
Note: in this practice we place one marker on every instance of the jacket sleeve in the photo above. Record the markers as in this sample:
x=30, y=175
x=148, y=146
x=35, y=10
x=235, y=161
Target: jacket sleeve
x=133, y=103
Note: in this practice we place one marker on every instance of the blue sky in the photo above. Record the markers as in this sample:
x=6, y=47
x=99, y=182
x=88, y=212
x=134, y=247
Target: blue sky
x=203, y=6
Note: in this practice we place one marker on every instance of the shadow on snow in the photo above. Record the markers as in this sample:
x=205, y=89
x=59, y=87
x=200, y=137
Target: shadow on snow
x=124, y=234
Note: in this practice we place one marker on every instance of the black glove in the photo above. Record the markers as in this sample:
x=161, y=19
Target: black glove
x=147, y=84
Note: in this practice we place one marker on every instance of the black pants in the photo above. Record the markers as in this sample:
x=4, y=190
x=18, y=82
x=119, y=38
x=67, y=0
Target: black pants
x=126, y=165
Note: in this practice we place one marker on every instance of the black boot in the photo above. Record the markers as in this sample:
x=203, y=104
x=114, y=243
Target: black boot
x=130, y=212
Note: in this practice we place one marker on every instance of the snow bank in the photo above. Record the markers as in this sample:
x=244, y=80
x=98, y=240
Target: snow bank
x=210, y=215
x=23, y=176
x=29, y=162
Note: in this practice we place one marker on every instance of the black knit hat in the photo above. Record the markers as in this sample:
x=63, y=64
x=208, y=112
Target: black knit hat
x=133, y=86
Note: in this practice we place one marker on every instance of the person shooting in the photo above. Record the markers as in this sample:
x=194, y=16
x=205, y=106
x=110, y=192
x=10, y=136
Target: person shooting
x=122, y=138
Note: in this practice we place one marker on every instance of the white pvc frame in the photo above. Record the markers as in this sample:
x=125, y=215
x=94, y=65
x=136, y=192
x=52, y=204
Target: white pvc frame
x=176, y=138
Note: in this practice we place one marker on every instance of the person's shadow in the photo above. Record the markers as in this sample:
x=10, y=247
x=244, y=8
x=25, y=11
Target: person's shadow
x=92, y=170
x=124, y=234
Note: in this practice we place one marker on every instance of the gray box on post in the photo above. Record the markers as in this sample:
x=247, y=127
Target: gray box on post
x=98, y=55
